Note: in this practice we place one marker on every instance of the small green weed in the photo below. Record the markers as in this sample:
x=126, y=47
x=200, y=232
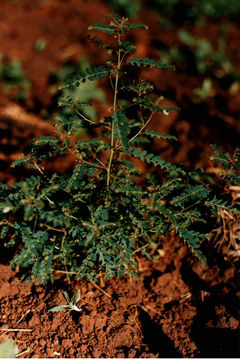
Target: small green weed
x=128, y=8
x=203, y=93
x=71, y=305
x=12, y=78
x=40, y=45
x=198, y=56
x=9, y=350
x=229, y=165
x=175, y=12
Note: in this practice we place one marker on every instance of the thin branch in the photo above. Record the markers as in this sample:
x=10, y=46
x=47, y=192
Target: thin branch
x=100, y=289
x=82, y=116
x=16, y=329
x=100, y=162
x=52, y=228
x=37, y=167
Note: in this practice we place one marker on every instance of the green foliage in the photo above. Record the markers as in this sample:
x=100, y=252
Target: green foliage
x=178, y=11
x=88, y=91
x=12, y=78
x=128, y=8
x=71, y=305
x=159, y=136
x=8, y=349
x=91, y=221
x=197, y=55
x=216, y=9
x=229, y=165
x=149, y=63
x=40, y=45
x=95, y=73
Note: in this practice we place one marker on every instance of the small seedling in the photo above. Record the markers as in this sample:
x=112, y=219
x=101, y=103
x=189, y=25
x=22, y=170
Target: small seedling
x=13, y=79
x=129, y=8
x=9, y=350
x=71, y=305
x=40, y=45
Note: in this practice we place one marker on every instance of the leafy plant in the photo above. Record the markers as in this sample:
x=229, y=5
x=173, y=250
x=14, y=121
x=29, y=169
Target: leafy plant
x=92, y=221
x=203, y=93
x=8, y=349
x=178, y=11
x=12, y=78
x=89, y=91
x=197, y=55
x=71, y=305
x=228, y=164
x=40, y=45
x=215, y=9
x=128, y=8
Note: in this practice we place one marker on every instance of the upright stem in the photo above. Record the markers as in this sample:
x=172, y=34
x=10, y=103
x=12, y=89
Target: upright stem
x=114, y=113
x=147, y=122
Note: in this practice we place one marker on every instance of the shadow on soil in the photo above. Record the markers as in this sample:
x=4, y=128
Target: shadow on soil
x=216, y=343
x=213, y=337
x=211, y=331
x=158, y=342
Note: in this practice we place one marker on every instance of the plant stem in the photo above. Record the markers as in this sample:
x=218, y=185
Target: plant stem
x=36, y=165
x=64, y=272
x=49, y=200
x=82, y=116
x=147, y=122
x=144, y=125
x=52, y=228
x=114, y=113
x=86, y=162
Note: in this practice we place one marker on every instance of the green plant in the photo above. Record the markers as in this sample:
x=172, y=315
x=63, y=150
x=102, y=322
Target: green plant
x=215, y=9
x=177, y=11
x=9, y=350
x=89, y=91
x=40, y=45
x=228, y=164
x=203, y=93
x=13, y=79
x=197, y=55
x=128, y=8
x=71, y=305
x=92, y=221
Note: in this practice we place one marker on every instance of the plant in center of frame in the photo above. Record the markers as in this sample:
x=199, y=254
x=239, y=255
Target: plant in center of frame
x=94, y=220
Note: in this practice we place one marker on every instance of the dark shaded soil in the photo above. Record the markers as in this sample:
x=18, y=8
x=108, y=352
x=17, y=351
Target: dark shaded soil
x=178, y=308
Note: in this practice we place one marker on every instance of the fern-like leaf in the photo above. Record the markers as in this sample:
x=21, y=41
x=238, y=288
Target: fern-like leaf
x=135, y=26
x=146, y=62
x=157, y=135
x=191, y=193
x=92, y=74
x=155, y=160
x=109, y=29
